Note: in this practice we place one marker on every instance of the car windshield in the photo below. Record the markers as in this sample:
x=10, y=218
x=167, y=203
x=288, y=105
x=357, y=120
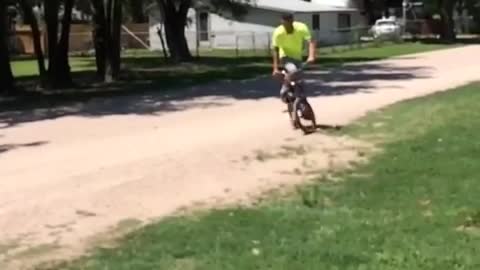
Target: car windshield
x=385, y=23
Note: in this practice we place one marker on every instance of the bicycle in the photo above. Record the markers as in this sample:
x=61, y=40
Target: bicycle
x=297, y=104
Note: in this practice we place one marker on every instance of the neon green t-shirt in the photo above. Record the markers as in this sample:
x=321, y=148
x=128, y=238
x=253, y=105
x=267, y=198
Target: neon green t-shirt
x=291, y=45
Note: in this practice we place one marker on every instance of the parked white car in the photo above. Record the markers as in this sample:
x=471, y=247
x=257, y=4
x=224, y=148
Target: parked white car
x=387, y=29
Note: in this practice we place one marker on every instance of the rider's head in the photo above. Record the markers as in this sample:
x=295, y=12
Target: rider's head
x=287, y=22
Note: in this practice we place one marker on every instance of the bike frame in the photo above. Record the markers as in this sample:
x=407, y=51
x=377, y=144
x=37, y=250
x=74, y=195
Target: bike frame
x=295, y=87
x=296, y=99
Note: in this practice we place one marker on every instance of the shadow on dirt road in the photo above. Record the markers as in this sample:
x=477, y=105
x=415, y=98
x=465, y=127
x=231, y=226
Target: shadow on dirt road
x=320, y=82
x=8, y=147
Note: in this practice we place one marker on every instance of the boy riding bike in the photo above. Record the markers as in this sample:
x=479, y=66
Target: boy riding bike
x=287, y=42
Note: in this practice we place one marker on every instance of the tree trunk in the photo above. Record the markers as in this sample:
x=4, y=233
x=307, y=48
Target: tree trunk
x=113, y=15
x=162, y=42
x=136, y=10
x=176, y=41
x=58, y=74
x=51, y=19
x=31, y=19
x=108, y=18
x=448, y=25
x=99, y=37
x=368, y=8
x=115, y=38
x=6, y=76
x=175, y=20
x=61, y=64
x=107, y=38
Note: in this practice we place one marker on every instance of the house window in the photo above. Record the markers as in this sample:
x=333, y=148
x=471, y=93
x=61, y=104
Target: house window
x=203, y=26
x=344, y=21
x=316, y=22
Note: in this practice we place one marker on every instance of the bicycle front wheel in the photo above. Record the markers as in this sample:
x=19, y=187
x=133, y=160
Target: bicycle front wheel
x=304, y=116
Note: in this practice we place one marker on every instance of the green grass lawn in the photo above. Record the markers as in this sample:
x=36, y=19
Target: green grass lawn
x=414, y=206
x=144, y=71
x=220, y=62
x=385, y=51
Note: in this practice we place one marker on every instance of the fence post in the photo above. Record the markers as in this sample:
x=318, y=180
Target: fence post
x=45, y=40
x=352, y=39
x=236, y=46
x=332, y=47
x=269, y=44
x=357, y=38
x=253, y=44
x=210, y=38
x=197, y=43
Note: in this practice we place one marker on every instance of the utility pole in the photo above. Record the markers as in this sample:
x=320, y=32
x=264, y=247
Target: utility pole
x=405, y=7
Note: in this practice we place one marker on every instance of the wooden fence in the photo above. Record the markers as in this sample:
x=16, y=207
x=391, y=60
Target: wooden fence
x=80, y=38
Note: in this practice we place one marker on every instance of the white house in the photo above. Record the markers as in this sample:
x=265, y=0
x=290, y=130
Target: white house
x=254, y=30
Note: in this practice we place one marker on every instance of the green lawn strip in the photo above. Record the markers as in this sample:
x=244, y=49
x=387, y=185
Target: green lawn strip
x=372, y=53
x=218, y=59
x=391, y=50
x=28, y=67
x=415, y=207
x=144, y=72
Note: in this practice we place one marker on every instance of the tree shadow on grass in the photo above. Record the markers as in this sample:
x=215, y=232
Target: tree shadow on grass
x=140, y=91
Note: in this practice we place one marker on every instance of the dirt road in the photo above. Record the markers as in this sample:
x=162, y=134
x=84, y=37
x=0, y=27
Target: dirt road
x=69, y=173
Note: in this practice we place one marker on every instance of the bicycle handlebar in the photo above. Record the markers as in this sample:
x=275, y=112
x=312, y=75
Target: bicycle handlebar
x=303, y=65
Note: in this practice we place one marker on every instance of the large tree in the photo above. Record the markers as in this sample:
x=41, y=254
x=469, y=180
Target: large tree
x=107, y=20
x=59, y=74
x=32, y=19
x=473, y=8
x=136, y=10
x=375, y=9
x=174, y=14
x=446, y=9
x=6, y=76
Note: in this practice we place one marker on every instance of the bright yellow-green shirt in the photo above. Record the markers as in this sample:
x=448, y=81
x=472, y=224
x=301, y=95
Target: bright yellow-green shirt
x=291, y=45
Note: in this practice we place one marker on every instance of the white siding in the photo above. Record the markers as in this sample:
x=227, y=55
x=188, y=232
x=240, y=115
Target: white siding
x=154, y=22
x=255, y=29
x=328, y=32
x=337, y=3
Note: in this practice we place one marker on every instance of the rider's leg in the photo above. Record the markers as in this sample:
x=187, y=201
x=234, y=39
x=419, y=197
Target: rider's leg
x=291, y=68
x=283, y=92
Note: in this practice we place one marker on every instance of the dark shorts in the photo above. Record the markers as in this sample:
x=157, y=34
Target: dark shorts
x=292, y=67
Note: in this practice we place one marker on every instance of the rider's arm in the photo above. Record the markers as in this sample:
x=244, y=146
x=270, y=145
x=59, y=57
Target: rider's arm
x=311, y=43
x=275, y=51
x=312, y=46
x=275, y=59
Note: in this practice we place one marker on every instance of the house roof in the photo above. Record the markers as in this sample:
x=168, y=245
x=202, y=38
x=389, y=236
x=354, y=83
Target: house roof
x=298, y=6
x=294, y=6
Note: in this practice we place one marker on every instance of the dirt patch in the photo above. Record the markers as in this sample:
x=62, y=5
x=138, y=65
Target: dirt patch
x=260, y=178
x=6, y=247
x=280, y=168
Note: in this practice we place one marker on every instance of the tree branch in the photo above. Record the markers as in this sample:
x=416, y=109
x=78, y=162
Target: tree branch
x=184, y=7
